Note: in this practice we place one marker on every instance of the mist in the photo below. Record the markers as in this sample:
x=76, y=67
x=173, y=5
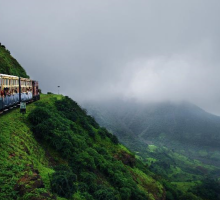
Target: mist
x=97, y=50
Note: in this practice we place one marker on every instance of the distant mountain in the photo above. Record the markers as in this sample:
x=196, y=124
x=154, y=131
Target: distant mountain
x=183, y=127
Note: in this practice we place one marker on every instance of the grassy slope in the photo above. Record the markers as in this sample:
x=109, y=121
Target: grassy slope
x=9, y=65
x=20, y=153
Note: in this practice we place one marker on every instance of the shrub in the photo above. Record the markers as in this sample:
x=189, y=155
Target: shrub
x=114, y=139
x=63, y=182
x=104, y=193
x=38, y=115
x=92, y=121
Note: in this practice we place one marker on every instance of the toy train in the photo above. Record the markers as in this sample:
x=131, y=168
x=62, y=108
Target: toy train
x=14, y=89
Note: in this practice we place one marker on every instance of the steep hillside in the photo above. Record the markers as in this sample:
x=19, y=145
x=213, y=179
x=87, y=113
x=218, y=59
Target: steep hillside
x=9, y=65
x=56, y=150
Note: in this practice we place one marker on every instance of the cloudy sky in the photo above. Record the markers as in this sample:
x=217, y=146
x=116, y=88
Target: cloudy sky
x=149, y=50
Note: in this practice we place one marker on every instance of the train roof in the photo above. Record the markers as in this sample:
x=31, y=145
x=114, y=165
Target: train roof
x=6, y=75
x=14, y=77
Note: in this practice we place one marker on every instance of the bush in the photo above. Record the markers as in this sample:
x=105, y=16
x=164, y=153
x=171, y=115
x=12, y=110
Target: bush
x=38, y=115
x=114, y=139
x=63, y=182
x=208, y=189
x=92, y=121
x=104, y=193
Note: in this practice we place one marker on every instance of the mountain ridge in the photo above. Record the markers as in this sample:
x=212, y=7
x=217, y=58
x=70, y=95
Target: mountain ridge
x=163, y=123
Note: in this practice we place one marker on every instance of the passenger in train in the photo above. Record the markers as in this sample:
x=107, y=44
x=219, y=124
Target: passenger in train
x=8, y=92
x=1, y=92
x=5, y=92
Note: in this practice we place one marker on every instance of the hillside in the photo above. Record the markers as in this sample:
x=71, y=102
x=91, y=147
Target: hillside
x=9, y=65
x=56, y=149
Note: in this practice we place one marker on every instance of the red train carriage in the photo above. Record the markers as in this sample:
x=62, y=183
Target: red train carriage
x=36, y=94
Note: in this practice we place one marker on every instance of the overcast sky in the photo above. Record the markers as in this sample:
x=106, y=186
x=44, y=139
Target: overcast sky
x=148, y=50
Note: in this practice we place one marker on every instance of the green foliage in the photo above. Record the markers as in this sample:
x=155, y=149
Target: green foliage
x=92, y=152
x=9, y=65
x=39, y=115
x=84, y=166
x=92, y=121
x=20, y=155
x=104, y=133
x=63, y=182
x=104, y=193
x=114, y=139
x=207, y=189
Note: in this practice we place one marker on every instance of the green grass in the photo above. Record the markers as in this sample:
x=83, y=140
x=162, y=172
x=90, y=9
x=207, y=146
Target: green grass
x=184, y=186
x=152, y=148
x=19, y=150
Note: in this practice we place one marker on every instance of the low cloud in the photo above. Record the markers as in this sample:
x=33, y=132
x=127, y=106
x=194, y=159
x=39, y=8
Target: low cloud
x=96, y=50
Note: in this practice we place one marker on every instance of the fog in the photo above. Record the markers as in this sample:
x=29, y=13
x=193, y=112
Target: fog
x=147, y=50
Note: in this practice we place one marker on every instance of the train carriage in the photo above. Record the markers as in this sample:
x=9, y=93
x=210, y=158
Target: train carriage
x=14, y=89
x=26, y=89
x=9, y=86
